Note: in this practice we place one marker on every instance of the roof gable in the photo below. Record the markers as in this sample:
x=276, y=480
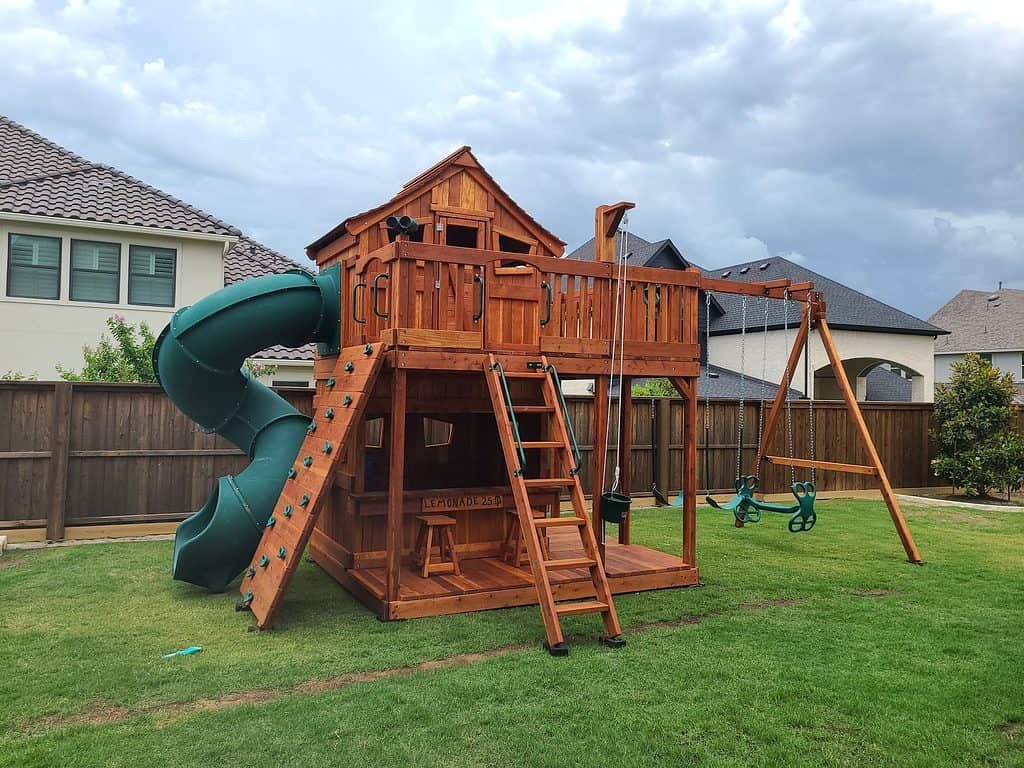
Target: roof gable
x=477, y=192
x=639, y=252
x=41, y=178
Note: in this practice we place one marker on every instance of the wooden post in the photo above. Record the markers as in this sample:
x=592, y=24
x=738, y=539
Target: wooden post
x=600, y=453
x=396, y=486
x=787, y=377
x=687, y=389
x=606, y=223
x=663, y=426
x=59, y=455
x=626, y=450
x=869, y=445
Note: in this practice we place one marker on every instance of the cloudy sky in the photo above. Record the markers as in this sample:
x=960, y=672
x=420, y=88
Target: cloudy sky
x=880, y=143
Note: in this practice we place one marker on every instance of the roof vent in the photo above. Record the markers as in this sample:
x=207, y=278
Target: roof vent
x=727, y=273
x=744, y=270
x=763, y=266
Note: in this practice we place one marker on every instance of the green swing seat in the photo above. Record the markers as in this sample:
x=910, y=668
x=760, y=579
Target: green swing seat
x=746, y=509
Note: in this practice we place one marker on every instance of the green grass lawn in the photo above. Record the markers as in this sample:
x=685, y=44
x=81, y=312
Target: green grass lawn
x=824, y=648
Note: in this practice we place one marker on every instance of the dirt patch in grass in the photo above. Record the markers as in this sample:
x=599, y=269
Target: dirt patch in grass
x=7, y=562
x=1011, y=729
x=103, y=714
x=876, y=592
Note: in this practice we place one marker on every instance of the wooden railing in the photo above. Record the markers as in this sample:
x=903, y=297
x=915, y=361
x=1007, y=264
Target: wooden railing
x=472, y=298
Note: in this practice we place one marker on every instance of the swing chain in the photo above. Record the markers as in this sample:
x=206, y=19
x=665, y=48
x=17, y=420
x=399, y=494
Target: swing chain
x=741, y=414
x=707, y=392
x=810, y=411
x=789, y=405
x=764, y=391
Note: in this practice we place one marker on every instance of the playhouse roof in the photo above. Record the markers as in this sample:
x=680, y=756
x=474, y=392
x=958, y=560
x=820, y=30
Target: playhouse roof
x=461, y=159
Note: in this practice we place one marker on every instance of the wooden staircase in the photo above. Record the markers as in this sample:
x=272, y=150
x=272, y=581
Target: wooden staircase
x=564, y=457
x=338, y=409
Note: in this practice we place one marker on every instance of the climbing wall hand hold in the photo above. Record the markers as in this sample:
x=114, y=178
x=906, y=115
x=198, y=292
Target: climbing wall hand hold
x=287, y=510
x=347, y=401
x=243, y=604
x=312, y=427
x=330, y=382
x=270, y=521
x=304, y=500
x=307, y=461
x=329, y=414
x=368, y=350
x=327, y=448
x=350, y=366
x=264, y=561
x=250, y=572
x=282, y=552
x=292, y=474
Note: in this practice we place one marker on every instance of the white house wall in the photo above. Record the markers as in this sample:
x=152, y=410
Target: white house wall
x=37, y=334
x=908, y=351
x=1008, y=362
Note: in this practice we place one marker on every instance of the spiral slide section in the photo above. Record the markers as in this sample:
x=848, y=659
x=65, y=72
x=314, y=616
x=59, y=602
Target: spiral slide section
x=199, y=360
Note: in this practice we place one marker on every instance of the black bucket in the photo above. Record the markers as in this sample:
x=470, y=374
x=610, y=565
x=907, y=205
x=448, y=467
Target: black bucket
x=614, y=507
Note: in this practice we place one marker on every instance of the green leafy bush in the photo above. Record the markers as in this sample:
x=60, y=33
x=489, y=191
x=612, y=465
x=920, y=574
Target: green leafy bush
x=977, y=449
x=654, y=388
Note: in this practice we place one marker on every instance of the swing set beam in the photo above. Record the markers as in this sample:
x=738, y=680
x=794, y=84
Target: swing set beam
x=831, y=466
x=814, y=312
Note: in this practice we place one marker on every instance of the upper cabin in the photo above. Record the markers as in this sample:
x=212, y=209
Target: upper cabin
x=477, y=274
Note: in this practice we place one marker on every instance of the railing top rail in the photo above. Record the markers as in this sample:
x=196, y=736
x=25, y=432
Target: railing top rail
x=686, y=277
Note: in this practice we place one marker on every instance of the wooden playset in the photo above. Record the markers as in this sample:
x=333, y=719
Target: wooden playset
x=434, y=476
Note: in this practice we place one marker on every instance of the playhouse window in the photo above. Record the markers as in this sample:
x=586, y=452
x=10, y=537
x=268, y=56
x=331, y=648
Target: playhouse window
x=95, y=271
x=512, y=245
x=437, y=433
x=373, y=433
x=33, y=267
x=460, y=236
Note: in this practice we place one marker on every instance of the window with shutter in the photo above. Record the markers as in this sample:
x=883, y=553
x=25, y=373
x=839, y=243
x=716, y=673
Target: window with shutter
x=151, y=275
x=95, y=271
x=33, y=266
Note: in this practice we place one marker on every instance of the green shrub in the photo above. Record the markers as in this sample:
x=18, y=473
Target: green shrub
x=977, y=449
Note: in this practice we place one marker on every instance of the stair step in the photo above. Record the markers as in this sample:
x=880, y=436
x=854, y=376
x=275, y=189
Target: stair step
x=542, y=444
x=569, y=563
x=533, y=409
x=555, y=522
x=547, y=482
x=574, y=609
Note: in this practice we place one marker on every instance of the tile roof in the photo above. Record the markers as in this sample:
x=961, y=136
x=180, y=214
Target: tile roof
x=248, y=259
x=40, y=178
x=847, y=308
x=981, y=321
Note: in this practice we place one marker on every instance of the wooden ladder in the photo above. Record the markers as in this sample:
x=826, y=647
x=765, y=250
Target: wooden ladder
x=566, y=461
x=309, y=482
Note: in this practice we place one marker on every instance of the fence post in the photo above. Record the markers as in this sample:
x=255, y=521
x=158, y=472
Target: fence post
x=60, y=436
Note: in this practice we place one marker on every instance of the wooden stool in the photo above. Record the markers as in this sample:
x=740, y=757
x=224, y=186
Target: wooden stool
x=445, y=540
x=514, y=547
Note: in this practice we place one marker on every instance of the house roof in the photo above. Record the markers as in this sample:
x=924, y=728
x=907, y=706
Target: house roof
x=981, y=321
x=464, y=157
x=884, y=384
x=248, y=259
x=638, y=251
x=847, y=308
x=41, y=178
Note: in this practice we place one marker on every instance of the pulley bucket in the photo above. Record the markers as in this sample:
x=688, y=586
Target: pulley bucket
x=614, y=507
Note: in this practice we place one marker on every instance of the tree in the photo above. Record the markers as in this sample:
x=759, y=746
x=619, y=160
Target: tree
x=977, y=449
x=128, y=356
x=654, y=388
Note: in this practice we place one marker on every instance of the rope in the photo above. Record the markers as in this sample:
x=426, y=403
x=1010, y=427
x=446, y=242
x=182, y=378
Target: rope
x=785, y=383
x=810, y=409
x=764, y=390
x=741, y=413
x=707, y=391
x=618, y=335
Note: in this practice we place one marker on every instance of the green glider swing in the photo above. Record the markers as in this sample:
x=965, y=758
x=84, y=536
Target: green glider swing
x=745, y=507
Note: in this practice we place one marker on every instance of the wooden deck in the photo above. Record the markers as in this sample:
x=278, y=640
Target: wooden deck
x=490, y=582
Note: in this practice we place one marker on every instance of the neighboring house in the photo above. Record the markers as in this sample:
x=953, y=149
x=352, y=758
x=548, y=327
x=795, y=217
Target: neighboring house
x=887, y=353
x=990, y=324
x=80, y=241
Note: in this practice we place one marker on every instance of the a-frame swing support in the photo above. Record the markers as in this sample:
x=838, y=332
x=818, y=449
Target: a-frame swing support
x=814, y=314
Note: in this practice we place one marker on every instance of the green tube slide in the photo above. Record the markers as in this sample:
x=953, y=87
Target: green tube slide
x=199, y=360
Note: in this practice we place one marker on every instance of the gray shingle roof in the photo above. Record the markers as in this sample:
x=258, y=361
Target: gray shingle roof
x=638, y=250
x=886, y=385
x=977, y=321
x=847, y=308
x=248, y=259
x=40, y=178
x=724, y=384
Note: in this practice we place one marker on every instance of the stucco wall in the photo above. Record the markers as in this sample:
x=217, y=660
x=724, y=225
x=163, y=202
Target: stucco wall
x=1008, y=362
x=913, y=352
x=36, y=334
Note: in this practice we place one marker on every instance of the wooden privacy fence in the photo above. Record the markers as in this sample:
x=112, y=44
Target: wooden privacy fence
x=89, y=453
